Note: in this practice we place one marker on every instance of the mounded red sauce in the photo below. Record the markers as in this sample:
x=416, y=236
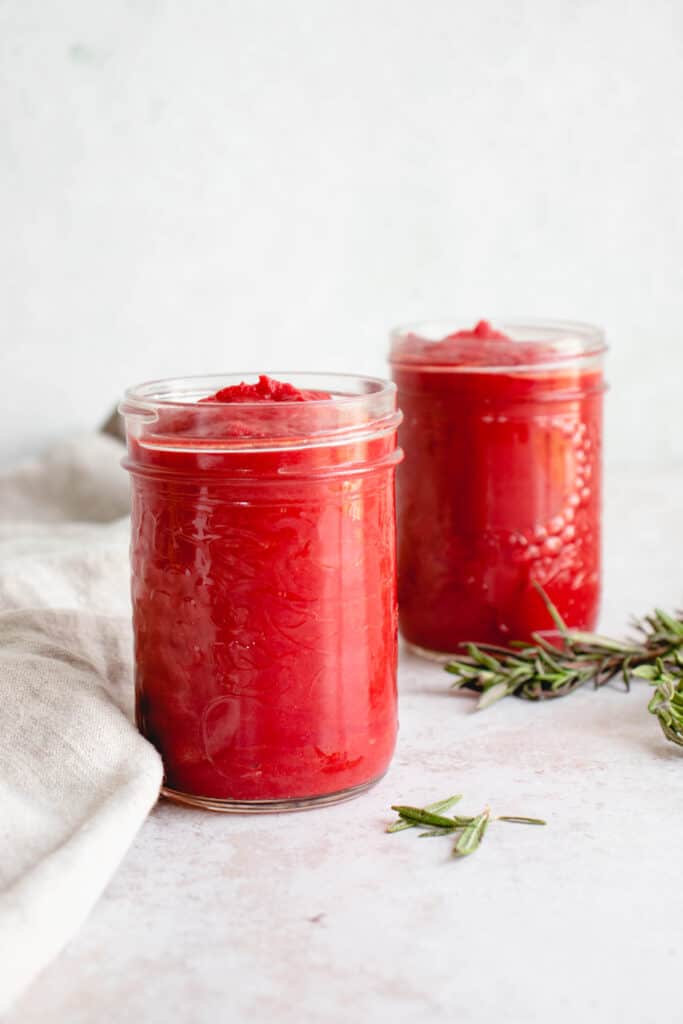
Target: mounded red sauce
x=265, y=390
x=500, y=487
x=264, y=599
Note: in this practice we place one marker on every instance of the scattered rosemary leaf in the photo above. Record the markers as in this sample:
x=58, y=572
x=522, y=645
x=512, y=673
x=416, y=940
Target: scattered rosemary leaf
x=436, y=808
x=469, y=830
x=421, y=816
x=472, y=835
x=515, y=819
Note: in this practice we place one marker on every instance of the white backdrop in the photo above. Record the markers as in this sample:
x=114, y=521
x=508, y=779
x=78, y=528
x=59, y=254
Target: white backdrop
x=229, y=185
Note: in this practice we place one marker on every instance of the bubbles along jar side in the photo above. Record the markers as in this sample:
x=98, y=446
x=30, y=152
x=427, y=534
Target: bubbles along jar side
x=501, y=484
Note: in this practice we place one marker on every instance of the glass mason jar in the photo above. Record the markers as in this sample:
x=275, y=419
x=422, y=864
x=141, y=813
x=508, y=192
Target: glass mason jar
x=502, y=434
x=264, y=588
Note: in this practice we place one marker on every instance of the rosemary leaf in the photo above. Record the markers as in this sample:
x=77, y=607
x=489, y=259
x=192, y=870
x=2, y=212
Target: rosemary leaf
x=420, y=816
x=436, y=808
x=650, y=672
x=472, y=836
x=492, y=694
x=517, y=820
x=554, y=614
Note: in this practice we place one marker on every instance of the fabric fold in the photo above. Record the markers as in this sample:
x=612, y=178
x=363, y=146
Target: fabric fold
x=76, y=778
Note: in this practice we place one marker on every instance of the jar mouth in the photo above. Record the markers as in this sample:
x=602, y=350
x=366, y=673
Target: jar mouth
x=531, y=346
x=184, y=392
x=170, y=413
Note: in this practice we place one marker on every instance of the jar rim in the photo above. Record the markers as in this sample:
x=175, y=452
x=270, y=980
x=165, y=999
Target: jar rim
x=169, y=413
x=161, y=391
x=557, y=343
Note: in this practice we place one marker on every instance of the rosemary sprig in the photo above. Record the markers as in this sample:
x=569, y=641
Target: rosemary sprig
x=469, y=830
x=667, y=701
x=541, y=669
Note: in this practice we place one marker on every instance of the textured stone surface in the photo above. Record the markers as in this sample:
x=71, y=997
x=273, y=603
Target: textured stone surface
x=320, y=916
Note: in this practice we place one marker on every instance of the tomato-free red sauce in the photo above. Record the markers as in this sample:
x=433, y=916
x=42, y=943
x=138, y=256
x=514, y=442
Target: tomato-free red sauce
x=264, y=594
x=500, y=487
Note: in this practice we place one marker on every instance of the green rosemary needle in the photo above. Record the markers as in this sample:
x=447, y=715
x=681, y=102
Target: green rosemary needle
x=438, y=808
x=542, y=670
x=421, y=816
x=472, y=835
x=517, y=820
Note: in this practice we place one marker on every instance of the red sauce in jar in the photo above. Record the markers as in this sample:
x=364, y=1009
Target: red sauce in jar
x=264, y=593
x=500, y=486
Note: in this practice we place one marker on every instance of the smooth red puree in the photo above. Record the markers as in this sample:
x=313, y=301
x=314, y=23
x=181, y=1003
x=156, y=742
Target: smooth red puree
x=266, y=390
x=264, y=592
x=500, y=486
x=482, y=330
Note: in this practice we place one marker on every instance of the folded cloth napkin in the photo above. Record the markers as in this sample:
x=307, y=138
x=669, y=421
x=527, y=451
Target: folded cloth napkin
x=76, y=778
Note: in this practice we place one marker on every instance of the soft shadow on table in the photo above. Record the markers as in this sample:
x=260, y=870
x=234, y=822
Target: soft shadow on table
x=663, y=749
x=413, y=671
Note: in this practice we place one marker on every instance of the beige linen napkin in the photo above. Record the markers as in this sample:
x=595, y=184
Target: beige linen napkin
x=76, y=779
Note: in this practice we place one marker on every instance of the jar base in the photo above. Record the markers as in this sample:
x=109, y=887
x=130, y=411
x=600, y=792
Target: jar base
x=307, y=803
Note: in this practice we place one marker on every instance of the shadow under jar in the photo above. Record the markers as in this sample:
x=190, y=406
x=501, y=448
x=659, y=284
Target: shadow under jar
x=264, y=587
x=501, y=484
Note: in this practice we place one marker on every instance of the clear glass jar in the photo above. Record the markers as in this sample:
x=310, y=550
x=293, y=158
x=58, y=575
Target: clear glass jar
x=502, y=434
x=264, y=588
